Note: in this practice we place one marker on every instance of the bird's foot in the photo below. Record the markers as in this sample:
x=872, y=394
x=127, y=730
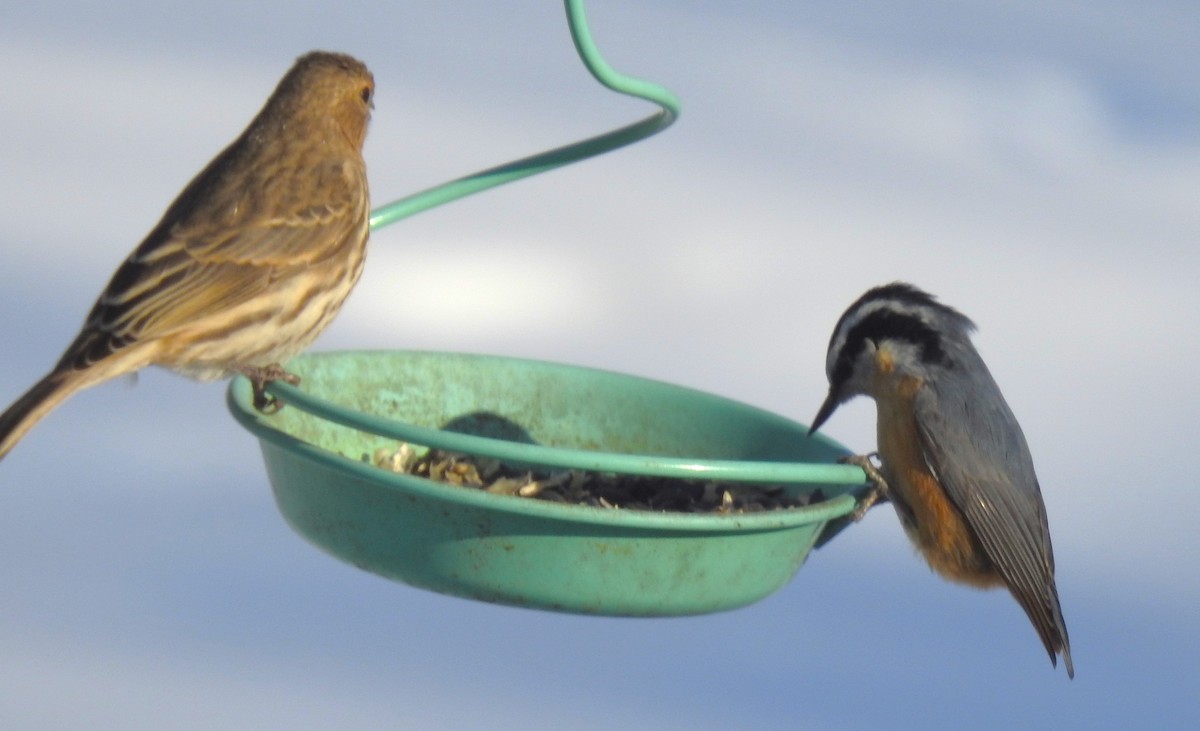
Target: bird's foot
x=259, y=377
x=879, y=487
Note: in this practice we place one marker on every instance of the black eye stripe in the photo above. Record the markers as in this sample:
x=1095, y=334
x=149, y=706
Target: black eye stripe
x=842, y=370
x=889, y=325
x=895, y=292
x=891, y=312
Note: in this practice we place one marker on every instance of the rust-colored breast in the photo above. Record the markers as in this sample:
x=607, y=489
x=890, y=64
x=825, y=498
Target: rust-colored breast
x=934, y=524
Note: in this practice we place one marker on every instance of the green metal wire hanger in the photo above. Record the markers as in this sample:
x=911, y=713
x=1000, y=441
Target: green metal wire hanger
x=551, y=159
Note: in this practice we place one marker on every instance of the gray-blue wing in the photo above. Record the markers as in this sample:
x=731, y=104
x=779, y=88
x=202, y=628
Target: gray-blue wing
x=975, y=447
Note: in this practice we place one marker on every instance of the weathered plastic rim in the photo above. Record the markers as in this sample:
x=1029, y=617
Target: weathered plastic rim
x=239, y=400
x=838, y=483
x=833, y=476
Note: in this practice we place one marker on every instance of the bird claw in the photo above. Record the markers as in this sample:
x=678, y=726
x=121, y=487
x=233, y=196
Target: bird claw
x=879, y=487
x=259, y=377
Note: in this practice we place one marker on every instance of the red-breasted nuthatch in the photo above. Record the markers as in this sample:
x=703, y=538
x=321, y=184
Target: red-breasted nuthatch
x=954, y=460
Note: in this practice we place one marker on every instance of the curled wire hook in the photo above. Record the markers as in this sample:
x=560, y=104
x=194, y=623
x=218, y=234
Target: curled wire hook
x=550, y=159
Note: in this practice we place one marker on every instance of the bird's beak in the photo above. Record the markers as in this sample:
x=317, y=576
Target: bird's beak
x=827, y=409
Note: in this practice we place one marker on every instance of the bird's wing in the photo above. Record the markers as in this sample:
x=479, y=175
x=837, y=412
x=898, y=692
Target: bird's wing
x=276, y=220
x=974, y=446
x=201, y=260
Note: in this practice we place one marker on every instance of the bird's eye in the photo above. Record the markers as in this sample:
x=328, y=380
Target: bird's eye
x=366, y=94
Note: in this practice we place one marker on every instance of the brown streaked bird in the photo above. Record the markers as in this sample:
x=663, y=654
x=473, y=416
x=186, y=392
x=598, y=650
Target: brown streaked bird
x=252, y=260
x=954, y=459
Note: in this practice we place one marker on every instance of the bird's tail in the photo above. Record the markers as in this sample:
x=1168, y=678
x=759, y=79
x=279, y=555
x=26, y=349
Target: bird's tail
x=38, y=401
x=1045, y=613
x=1060, y=637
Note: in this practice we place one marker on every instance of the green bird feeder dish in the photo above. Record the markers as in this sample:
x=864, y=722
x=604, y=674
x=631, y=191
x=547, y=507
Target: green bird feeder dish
x=526, y=552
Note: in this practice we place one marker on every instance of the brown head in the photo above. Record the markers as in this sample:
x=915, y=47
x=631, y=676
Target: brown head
x=322, y=87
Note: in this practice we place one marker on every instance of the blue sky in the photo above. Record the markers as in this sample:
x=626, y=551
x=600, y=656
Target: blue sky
x=1037, y=165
